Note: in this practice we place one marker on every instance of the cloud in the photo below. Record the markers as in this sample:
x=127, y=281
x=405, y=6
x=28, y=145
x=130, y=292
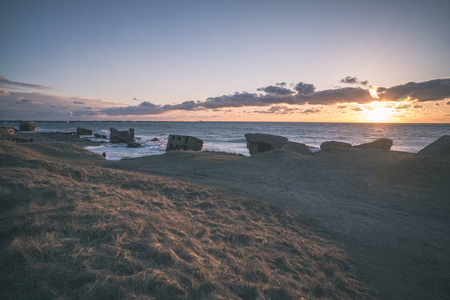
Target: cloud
x=3, y=93
x=404, y=106
x=277, y=96
x=418, y=107
x=135, y=99
x=14, y=84
x=276, y=90
x=23, y=100
x=305, y=95
x=87, y=112
x=448, y=103
x=433, y=90
x=304, y=88
x=338, y=96
x=311, y=111
x=357, y=109
x=354, y=80
x=281, y=110
x=350, y=80
x=145, y=108
x=438, y=104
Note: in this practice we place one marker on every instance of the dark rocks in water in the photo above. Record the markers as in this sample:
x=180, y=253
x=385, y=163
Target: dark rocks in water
x=26, y=126
x=440, y=146
x=84, y=131
x=121, y=136
x=184, y=142
x=299, y=148
x=155, y=140
x=330, y=145
x=381, y=144
x=133, y=145
x=259, y=142
x=99, y=136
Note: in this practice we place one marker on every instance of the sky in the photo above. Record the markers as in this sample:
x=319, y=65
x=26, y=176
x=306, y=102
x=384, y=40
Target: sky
x=285, y=60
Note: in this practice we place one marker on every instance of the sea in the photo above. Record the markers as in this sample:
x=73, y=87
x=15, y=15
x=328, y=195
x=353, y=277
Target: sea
x=229, y=136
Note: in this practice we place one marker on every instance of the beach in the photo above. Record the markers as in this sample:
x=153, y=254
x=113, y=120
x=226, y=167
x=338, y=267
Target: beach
x=341, y=224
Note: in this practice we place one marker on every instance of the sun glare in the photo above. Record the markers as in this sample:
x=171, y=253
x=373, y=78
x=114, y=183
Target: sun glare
x=379, y=114
x=373, y=93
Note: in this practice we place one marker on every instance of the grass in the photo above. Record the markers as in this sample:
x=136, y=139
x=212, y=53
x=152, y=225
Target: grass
x=77, y=230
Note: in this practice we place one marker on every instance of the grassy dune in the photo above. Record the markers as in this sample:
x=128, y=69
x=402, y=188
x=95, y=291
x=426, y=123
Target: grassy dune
x=71, y=228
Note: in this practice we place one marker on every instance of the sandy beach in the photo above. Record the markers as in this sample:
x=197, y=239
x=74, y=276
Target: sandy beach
x=341, y=224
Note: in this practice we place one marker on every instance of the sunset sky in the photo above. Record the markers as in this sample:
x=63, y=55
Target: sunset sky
x=293, y=61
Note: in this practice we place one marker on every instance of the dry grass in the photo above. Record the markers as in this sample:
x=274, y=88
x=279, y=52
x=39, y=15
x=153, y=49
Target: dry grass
x=88, y=232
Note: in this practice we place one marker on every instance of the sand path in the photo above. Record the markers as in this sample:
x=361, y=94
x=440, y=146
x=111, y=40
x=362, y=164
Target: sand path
x=389, y=210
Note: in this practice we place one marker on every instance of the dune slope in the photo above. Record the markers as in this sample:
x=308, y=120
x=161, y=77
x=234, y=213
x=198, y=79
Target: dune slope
x=73, y=228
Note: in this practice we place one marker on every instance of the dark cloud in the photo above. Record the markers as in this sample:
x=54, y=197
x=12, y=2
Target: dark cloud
x=418, y=107
x=304, y=88
x=350, y=80
x=23, y=100
x=282, y=84
x=438, y=104
x=13, y=84
x=245, y=99
x=433, y=90
x=311, y=111
x=448, y=103
x=404, y=106
x=354, y=80
x=281, y=110
x=276, y=90
x=145, y=108
x=87, y=112
x=135, y=99
x=357, y=109
x=342, y=95
x=278, y=97
x=78, y=102
x=365, y=82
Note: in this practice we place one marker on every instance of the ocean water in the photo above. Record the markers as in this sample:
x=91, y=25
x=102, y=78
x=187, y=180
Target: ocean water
x=229, y=136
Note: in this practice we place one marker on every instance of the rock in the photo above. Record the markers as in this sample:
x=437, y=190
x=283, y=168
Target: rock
x=259, y=142
x=84, y=131
x=381, y=144
x=6, y=132
x=26, y=126
x=99, y=136
x=299, y=148
x=440, y=146
x=133, y=145
x=330, y=145
x=184, y=142
x=155, y=140
x=121, y=136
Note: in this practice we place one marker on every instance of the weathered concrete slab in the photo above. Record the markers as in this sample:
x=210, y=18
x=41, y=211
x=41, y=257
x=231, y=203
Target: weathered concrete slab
x=260, y=142
x=184, y=142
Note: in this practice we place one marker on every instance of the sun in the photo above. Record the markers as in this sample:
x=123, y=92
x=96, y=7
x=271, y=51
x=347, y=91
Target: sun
x=379, y=114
